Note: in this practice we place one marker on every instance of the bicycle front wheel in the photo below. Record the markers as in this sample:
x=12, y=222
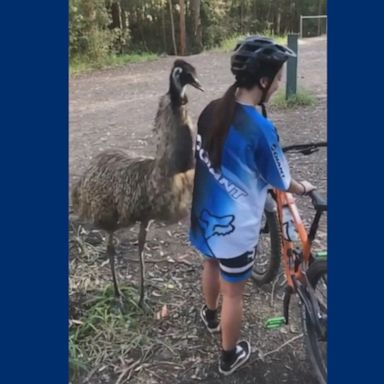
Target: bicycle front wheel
x=315, y=339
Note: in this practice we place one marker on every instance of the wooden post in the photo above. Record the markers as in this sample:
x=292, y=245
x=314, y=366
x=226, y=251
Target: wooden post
x=292, y=66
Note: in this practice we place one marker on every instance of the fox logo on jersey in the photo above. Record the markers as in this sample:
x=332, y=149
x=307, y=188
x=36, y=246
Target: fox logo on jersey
x=216, y=225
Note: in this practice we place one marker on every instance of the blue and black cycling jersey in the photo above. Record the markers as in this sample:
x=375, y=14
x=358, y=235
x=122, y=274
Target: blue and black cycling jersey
x=228, y=204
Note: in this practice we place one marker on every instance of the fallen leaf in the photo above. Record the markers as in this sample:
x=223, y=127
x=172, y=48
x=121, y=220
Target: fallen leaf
x=162, y=313
x=77, y=322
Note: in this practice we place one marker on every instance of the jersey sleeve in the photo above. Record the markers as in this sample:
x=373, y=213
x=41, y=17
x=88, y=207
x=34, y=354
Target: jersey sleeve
x=270, y=160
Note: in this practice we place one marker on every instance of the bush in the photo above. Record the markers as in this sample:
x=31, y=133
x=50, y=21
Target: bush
x=89, y=34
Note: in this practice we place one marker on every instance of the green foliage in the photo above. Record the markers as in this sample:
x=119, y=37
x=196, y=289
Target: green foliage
x=228, y=44
x=100, y=28
x=79, y=66
x=89, y=34
x=303, y=98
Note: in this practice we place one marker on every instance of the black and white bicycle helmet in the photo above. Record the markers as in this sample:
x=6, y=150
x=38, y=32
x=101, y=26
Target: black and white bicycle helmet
x=256, y=57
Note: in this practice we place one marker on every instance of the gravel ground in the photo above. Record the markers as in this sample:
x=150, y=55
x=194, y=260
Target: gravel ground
x=115, y=108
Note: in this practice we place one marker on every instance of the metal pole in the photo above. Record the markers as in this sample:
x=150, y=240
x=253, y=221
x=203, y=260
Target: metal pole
x=301, y=27
x=292, y=66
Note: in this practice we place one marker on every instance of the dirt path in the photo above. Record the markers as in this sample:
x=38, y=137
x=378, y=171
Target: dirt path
x=116, y=108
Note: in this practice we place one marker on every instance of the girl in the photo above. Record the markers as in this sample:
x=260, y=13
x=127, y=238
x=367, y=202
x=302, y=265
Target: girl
x=238, y=157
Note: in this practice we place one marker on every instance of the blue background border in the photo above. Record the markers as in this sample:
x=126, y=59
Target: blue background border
x=34, y=159
x=355, y=159
x=34, y=179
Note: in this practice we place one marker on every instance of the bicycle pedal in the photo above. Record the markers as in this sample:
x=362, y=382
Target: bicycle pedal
x=275, y=322
x=321, y=255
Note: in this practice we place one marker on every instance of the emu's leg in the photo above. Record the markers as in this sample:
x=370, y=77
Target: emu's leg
x=144, y=227
x=111, y=254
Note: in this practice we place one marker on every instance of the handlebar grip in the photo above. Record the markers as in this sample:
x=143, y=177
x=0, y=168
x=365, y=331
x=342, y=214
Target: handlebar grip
x=317, y=200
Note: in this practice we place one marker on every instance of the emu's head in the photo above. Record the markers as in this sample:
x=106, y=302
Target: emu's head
x=182, y=74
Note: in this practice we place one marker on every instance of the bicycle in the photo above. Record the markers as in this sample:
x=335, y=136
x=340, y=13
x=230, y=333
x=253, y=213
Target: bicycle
x=304, y=270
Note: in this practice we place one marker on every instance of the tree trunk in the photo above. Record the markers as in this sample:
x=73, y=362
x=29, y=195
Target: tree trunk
x=241, y=16
x=182, y=27
x=124, y=20
x=196, y=25
x=116, y=15
x=124, y=27
x=172, y=27
x=278, y=28
x=163, y=30
x=269, y=17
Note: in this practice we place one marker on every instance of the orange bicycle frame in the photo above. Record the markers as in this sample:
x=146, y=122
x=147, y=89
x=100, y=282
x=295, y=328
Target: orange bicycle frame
x=288, y=255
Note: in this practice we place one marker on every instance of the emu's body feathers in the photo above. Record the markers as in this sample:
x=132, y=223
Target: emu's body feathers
x=117, y=191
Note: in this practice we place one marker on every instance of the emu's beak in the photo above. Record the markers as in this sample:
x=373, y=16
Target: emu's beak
x=196, y=84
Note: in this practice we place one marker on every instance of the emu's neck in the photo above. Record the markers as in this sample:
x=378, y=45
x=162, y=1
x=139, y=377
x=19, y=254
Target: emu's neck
x=173, y=128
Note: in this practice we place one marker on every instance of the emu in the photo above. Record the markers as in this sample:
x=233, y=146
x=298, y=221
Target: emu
x=117, y=191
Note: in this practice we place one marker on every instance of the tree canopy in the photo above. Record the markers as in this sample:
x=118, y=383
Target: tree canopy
x=102, y=27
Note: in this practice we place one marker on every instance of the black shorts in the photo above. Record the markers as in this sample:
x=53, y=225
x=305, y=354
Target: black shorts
x=237, y=268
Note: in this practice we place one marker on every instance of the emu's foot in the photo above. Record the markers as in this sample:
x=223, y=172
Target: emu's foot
x=119, y=303
x=144, y=305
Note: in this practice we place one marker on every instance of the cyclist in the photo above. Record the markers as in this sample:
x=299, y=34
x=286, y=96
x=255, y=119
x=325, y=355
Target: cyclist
x=238, y=157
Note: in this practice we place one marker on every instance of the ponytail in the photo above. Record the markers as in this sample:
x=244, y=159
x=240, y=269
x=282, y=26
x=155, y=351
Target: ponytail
x=223, y=116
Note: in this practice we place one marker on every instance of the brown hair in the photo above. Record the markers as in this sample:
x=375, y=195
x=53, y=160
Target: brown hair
x=223, y=116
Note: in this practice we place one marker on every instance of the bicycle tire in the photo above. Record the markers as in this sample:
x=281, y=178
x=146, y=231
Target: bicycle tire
x=316, y=270
x=272, y=254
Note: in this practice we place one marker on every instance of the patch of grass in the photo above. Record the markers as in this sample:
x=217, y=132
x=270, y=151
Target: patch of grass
x=101, y=333
x=77, y=65
x=303, y=98
x=227, y=45
x=101, y=336
x=77, y=363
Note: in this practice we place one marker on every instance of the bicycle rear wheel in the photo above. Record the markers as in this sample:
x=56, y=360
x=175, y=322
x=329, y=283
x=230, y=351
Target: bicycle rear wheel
x=267, y=258
x=316, y=342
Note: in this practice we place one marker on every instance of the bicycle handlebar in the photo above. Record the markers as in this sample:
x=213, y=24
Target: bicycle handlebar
x=318, y=201
x=306, y=149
